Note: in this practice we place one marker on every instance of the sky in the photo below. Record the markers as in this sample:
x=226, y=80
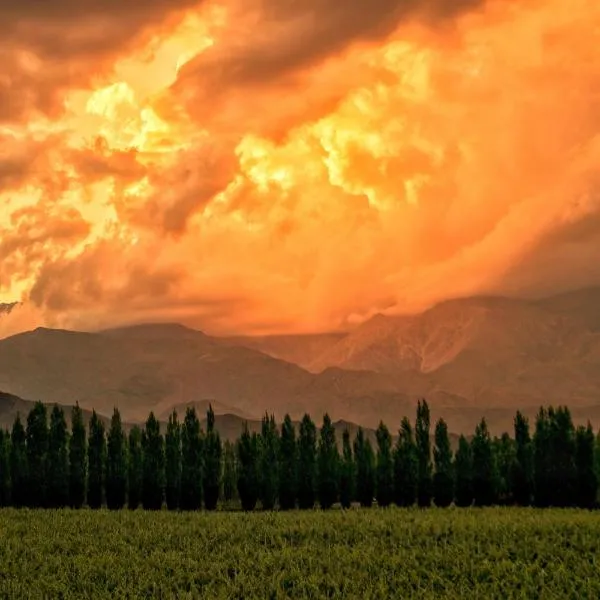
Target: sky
x=267, y=166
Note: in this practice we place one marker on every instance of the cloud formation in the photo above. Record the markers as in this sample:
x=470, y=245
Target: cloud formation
x=292, y=166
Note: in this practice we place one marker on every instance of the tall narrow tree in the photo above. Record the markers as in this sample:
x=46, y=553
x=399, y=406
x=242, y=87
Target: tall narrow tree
x=37, y=454
x=347, y=472
x=18, y=464
x=4, y=468
x=422, y=433
x=307, y=463
x=173, y=462
x=77, y=459
x=96, y=462
x=505, y=453
x=365, y=469
x=116, y=464
x=247, y=449
x=212, y=462
x=58, y=459
x=587, y=478
x=328, y=465
x=191, y=461
x=542, y=459
x=563, y=473
x=288, y=465
x=229, y=472
x=385, y=467
x=406, y=466
x=522, y=473
x=135, y=468
x=443, y=478
x=463, y=470
x=153, y=485
x=484, y=467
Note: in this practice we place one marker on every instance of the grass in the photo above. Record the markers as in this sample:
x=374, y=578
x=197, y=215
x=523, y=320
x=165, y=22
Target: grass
x=362, y=554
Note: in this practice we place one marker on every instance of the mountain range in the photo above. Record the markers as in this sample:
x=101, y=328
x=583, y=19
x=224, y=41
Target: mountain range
x=469, y=357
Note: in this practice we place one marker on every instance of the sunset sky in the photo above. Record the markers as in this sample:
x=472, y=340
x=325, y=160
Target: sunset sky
x=291, y=166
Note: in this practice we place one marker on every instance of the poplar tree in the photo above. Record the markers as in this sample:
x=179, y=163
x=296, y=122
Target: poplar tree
x=463, y=470
x=191, y=461
x=385, y=467
x=422, y=432
x=288, y=465
x=365, y=469
x=505, y=453
x=587, y=478
x=173, y=462
x=307, y=463
x=96, y=462
x=268, y=464
x=18, y=464
x=77, y=459
x=406, y=466
x=4, y=468
x=522, y=472
x=563, y=471
x=135, y=468
x=58, y=459
x=328, y=465
x=484, y=467
x=229, y=472
x=153, y=483
x=212, y=462
x=247, y=449
x=443, y=478
x=116, y=464
x=542, y=459
x=37, y=454
x=347, y=472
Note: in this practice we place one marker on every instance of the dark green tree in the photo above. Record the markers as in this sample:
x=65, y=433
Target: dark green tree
x=212, y=462
x=229, y=472
x=505, y=454
x=37, y=454
x=443, y=478
x=522, y=472
x=58, y=459
x=135, y=470
x=78, y=466
x=288, y=465
x=385, y=467
x=542, y=453
x=307, y=463
x=406, y=466
x=463, y=472
x=248, y=461
x=563, y=471
x=423, y=442
x=96, y=462
x=365, y=469
x=485, y=481
x=347, y=472
x=116, y=464
x=173, y=462
x=153, y=448
x=269, y=463
x=587, y=478
x=4, y=468
x=191, y=461
x=18, y=464
x=328, y=466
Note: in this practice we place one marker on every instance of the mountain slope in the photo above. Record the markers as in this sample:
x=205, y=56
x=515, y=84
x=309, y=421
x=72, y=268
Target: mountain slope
x=154, y=367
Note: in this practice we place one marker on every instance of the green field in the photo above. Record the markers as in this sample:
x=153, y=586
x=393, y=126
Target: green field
x=376, y=553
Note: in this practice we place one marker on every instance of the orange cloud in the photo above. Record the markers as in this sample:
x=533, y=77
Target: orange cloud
x=284, y=166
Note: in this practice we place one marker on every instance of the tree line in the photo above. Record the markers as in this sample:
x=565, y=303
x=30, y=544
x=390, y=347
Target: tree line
x=44, y=463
